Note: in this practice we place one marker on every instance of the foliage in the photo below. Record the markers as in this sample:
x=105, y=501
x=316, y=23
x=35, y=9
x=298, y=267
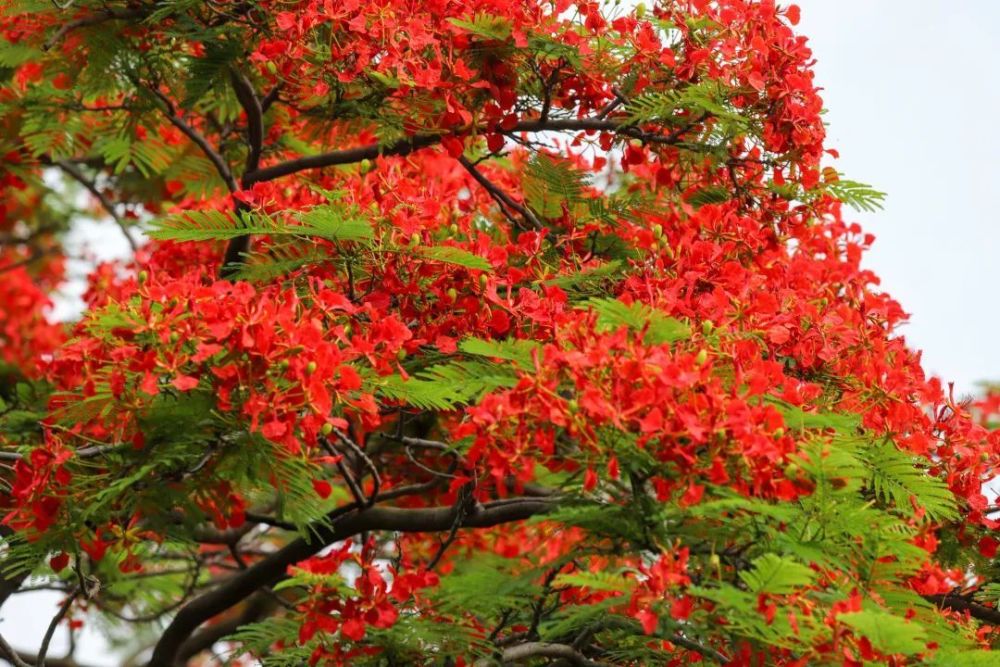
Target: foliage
x=466, y=333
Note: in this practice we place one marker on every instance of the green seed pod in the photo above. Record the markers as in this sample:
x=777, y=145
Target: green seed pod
x=327, y=429
x=143, y=277
x=452, y=294
x=311, y=368
x=401, y=354
x=701, y=358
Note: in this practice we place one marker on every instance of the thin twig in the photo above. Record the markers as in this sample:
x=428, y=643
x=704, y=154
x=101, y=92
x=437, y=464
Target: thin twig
x=500, y=197
x=60, y=615
x=73, y=171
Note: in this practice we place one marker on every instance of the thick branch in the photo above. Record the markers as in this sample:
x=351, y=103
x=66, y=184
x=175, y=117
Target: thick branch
x=255, y=119
x=408, y=145
x=274, y=568
x=109, y=14
x=962, y=603
x=256, y=608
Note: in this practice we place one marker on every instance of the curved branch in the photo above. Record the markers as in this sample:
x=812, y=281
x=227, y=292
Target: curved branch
x=213, y=155
x=74, y=172
x=255, y=119
x=274, y=568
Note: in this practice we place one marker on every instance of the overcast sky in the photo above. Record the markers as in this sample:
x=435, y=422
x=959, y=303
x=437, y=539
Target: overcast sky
x=911, y=87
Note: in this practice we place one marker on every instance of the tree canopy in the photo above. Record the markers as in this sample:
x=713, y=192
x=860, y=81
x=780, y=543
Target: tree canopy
x=465, y=332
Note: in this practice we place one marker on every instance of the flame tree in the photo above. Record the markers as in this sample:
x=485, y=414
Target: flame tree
x=466, y=333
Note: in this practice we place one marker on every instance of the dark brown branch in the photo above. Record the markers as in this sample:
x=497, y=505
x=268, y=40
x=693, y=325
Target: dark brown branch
x=102, y=16
x=962, y=603
x=255, y=119
x=500, y=197
x=213, y=156
x=411, y=144
x=74, y=172
x=47, y=639
x=274, y=568
x=35, y=255
x=271, y=97
x=8, y=653
x=531, y=650
x=256, y=608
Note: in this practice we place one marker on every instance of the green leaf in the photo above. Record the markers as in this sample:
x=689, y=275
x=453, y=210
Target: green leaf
x=711, y=195
x=777, y=575
x=898, y=477
x=611, y=582
x=446, y=386
x=798, y=419
x=612, y=314
x=888, y=634
x=12, y=55
x=453, y=255
x=519, y=351
x=485, y=25
x=327, y=221
x=335, y=223
x=858, y=196
x=549, y=183
x=587, y=279
x=979, y=658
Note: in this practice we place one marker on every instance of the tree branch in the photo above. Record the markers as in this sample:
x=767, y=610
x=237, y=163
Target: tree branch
x=213, y=156
x=274, y=568
x=255, y=119
x=109, y=14
x=963, y=603
x=500, y=197
x=411, y=144
x=542, y=650
x=9, y=654
x=60, y=615
x=76, y=174
x=256, y=608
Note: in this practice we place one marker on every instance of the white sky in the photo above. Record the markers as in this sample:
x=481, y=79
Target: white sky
x=911, y=86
